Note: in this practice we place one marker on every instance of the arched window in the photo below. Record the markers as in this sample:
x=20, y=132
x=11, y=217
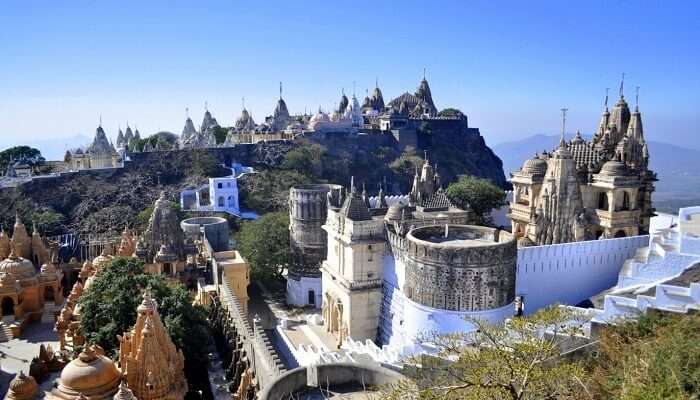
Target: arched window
x=221, y=201
x=603, y=201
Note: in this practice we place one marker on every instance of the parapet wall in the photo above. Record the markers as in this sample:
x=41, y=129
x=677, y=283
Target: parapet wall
x=354, y=377
x=265, y=361
x=460, y=267
x=570, y=273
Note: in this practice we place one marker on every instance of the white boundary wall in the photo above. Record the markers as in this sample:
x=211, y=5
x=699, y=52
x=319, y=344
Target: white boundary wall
x=298, y=291
x=570, y=273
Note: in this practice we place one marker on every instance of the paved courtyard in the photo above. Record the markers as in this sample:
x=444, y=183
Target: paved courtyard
x=16, y=354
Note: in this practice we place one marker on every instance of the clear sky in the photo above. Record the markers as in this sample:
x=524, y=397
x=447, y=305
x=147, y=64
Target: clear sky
x=510, y=66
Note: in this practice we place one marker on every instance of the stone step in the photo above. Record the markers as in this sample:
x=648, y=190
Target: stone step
x=5, y=333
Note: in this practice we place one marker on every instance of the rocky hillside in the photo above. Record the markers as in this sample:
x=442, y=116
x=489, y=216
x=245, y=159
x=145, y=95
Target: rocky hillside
x=99, y=201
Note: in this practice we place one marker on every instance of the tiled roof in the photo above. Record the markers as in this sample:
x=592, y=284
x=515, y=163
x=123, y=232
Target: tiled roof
x=584, y=153
x=437, y=200
x=355, y=209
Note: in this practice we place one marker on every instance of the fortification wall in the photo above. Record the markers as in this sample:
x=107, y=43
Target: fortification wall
x=460, y=267
x=570, y=273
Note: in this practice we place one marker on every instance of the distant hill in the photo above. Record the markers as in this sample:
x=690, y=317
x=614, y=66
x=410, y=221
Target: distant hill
x=677, y=168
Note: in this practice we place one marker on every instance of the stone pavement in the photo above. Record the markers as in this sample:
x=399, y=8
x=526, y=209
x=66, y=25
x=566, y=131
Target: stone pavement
x=16, y=354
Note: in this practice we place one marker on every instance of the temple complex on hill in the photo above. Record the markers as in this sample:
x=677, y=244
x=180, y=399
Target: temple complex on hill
x=587, y=190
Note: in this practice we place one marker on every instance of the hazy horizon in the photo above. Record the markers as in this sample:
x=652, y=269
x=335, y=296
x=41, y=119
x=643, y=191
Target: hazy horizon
x=510, y=69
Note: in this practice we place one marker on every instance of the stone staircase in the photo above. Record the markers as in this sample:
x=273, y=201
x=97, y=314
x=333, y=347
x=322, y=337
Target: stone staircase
x=5, y=330
x=51, y=310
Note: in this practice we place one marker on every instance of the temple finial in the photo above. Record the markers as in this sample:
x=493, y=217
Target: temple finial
x=423, y=73
x=636, y=98
x=352, y=184
x=280, y=90
x=187, y=112
x=376, y=82
x=100, y=121
x=622, y=86
x=606, y=98
x=243, y=102
x=353, y=88
x=425, y=155
x=206, y=106
x=563, y=124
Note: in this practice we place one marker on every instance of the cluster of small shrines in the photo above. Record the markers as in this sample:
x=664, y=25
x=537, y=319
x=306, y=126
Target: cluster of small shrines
x=30, y=282
x=149, y=365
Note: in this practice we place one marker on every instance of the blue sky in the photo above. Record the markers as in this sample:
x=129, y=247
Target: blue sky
x=509, y=65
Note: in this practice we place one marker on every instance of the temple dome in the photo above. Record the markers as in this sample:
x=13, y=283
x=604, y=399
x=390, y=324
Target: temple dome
x=535, y=166
x=17, y=267
x=91, y=374
x=395, y=212
x=614, y=168
x=22, y=387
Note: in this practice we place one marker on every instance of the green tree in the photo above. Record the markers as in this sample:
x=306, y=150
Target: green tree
x=27, y=154
x=450, y=112
x=220, y=134
x=306, y=159
x=109, y=305
x=407, y=163
x=479, y=194
x=517, y=363
x=48, y=221
x=265, y=244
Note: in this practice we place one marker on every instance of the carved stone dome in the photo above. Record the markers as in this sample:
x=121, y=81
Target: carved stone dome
x=614, y=168
x=395, y=212
x=17, y=267
x=535, y=166
x=91, y=374
x=22, y=387
x=48, y=269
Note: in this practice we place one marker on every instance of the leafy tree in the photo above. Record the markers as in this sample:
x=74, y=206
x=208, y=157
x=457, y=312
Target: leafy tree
x=518, y=363
x=265, y=244
x=48, y=221
x=656, y=357
x=479, y=194
x=405, y=166
x=220, y=134
x=450, y=112
x=268, y=189
x=27, y=154
x=109, y=305
x=306, y=159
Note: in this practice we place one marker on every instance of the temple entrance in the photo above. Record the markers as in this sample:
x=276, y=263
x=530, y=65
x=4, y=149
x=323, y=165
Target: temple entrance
x=231, y=202
x=221, y=201
x=48, y=294
x=8, y=306
x=620, y=234
x=312, y=298
x=167, y=269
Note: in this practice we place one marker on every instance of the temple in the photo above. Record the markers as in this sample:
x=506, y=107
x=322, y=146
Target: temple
x=30, y=282
x=587, y=190
x=100, y=154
